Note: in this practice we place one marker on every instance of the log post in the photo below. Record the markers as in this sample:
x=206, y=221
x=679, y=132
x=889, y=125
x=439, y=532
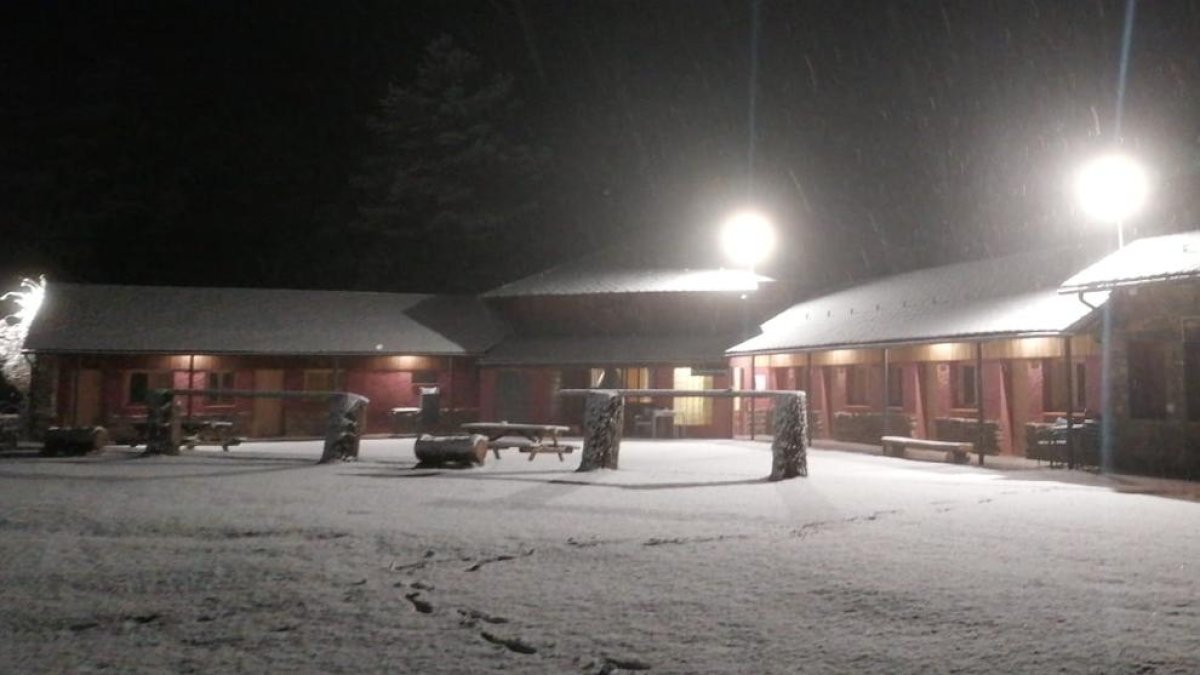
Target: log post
x=163, y=434
x=342, y=433
x=603, y=419
x=789, y=449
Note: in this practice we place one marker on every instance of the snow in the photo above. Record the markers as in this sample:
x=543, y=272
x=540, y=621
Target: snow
x=685, y=561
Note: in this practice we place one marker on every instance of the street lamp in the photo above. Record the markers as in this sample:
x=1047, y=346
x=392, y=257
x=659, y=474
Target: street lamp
x=747, y=238
x=1112, y=188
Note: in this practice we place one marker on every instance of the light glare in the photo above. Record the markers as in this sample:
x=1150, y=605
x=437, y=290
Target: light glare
x=1112, y=188
x=747, y=238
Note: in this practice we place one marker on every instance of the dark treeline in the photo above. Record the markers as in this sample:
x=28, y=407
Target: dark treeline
x=225, y=143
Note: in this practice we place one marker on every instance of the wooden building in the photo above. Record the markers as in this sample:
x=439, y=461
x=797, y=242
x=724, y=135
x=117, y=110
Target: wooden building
x=985, y=351
x=597, y=325
x=98, y=349
x=1151, y=328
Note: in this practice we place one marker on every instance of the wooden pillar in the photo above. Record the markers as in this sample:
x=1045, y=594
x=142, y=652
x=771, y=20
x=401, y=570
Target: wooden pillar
x=1070, y=375
x=979, y=399
x=808, y=394
x=75, y=392
x=191, y=383
x=337, y=374
x=450, y=385
x=752, y=399
x=887, y=389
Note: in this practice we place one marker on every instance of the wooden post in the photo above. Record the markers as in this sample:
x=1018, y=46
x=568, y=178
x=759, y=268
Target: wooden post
x=75, y=392
x=808, y=391
x=789, y=456
x=979, y=399
x=603, y=420
x=887, y=391
x=450, y=386
x=752, y=398
x=191, y=383
x=1070, y=375
x=337, y=374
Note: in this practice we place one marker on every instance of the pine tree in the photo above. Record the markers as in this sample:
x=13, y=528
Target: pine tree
x=449, y=168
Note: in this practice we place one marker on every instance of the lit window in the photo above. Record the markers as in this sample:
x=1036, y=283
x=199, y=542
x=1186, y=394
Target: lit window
x=692, y=411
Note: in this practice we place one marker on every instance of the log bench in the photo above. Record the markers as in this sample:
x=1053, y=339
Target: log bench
x=894, y=446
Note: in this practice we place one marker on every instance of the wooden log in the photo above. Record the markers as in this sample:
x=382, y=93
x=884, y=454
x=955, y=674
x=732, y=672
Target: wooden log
x=789, y=449
x=603, y=419
x=73, y=441
x=461, y=449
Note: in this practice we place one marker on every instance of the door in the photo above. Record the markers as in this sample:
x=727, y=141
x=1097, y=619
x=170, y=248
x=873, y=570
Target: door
x=87, y=409
x=512, y=396
x=268, y=412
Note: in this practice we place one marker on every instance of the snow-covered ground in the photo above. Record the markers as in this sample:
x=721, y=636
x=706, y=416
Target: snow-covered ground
x=684, y=561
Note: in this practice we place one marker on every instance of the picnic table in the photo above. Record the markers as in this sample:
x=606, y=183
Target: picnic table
x=195, y=431
x=530, y=438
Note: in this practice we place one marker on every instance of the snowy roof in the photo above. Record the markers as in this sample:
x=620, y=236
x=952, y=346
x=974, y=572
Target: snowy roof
x=590, y=279
x=1000, y=297
x=160, y=319
x=609, y=350
x=1173, y=256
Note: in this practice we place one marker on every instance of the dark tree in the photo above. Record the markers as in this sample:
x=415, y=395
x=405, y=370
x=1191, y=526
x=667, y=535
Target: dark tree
x=450, y=168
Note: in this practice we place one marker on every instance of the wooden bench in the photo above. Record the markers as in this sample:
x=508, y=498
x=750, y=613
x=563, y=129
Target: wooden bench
x=559, y=450
x=894, y=446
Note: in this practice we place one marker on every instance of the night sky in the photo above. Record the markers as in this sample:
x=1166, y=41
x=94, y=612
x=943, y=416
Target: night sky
x=215, y=143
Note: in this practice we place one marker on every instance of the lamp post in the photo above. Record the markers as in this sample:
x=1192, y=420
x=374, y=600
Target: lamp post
x=747, y=238
x=1110, y=189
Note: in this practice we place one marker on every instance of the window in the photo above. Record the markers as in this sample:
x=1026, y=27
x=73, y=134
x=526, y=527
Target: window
x=141, y=382
x=963, y=381
x=692, y=411
x=856, y=385
x=896, y=386
x=318, y=380
x=222, y=381
x=1147, y=379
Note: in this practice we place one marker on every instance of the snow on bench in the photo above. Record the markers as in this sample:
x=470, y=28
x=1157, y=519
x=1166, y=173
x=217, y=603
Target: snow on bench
x=894, y=446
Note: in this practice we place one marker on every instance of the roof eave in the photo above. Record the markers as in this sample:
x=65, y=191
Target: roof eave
x=887, y=344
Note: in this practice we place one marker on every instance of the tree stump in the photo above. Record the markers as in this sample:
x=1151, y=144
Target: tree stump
x=789, y=449
x=462, y=449
x=342, y=434
x=603, y=420
x=163, y=432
